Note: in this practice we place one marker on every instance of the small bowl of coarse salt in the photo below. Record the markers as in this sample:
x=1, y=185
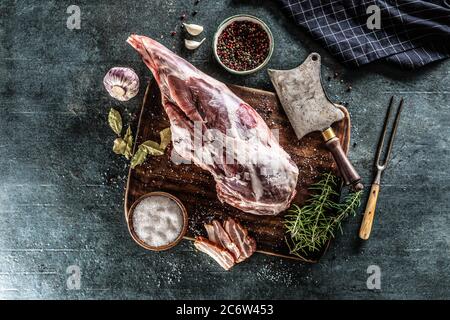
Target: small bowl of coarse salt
x=157, y=221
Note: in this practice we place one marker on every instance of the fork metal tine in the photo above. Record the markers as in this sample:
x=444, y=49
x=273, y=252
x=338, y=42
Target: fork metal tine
x=366, y=224
x=394, y=132
x=383, y=134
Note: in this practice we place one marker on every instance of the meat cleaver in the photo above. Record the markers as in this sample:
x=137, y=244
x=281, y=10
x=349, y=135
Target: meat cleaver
x=308, y=108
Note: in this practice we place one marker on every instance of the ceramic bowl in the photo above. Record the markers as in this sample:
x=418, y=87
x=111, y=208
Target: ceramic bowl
x=243, y=17
x=140, y=241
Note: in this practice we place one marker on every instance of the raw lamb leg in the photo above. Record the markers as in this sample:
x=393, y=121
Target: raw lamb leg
x=252, y=172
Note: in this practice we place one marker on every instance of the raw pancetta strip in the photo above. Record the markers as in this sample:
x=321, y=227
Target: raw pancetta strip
x=211, y=234
x=221, y=255
x=225, y=240
x=239, y=235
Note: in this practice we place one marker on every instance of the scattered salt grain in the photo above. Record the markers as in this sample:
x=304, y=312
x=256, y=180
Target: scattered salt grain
x=157, y=220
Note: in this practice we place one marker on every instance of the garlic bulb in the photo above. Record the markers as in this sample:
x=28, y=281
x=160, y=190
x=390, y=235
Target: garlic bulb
x=193, y=29
x=121, y=83
x=192, y=45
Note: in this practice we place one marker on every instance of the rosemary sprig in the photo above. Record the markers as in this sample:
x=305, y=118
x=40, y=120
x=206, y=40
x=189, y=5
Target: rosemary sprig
x=310, y=227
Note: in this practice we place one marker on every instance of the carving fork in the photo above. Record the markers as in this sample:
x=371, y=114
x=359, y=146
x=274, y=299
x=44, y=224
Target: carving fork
x=366, y=225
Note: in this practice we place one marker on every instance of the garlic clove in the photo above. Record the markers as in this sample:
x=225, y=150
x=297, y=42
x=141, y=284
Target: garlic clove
x=193, y=29
x=118, y=91
x=192, y=45
x=121, y=83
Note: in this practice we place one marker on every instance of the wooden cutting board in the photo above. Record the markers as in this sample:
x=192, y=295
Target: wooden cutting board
x=196, y=187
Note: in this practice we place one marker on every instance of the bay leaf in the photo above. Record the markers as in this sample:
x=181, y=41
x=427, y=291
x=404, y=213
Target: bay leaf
x=152, y=148
x=166, y=136
x=139, y=157
x=119, y=146
x=128, y=138
x=115, y=121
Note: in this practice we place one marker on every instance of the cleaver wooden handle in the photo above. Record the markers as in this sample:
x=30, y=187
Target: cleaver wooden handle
x=348, y=172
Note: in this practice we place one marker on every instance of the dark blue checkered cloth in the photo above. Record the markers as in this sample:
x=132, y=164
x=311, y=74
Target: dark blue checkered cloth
x=413, y=33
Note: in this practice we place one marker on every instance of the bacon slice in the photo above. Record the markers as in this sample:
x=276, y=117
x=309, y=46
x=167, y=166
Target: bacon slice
x=240, y=237
x=211, y=234
x=221, y=255
x=225, y=240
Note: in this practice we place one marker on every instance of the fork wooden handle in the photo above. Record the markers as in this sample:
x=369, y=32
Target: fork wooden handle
x=366, y=225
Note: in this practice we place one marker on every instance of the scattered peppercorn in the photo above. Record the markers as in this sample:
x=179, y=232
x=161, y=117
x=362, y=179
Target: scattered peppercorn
x=243, y=45
x=349, y=88
x=196, y=2
x=183, y=16
x=328, y=78
x=194, y=12
x=336, y=74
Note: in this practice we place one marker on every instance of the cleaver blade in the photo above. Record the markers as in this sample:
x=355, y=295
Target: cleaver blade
x=308, y=109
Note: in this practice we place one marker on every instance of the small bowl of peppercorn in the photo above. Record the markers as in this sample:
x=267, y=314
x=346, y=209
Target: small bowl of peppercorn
x=243, y=44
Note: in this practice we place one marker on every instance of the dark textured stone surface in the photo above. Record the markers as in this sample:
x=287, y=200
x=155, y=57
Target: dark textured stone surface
x=61, y=187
